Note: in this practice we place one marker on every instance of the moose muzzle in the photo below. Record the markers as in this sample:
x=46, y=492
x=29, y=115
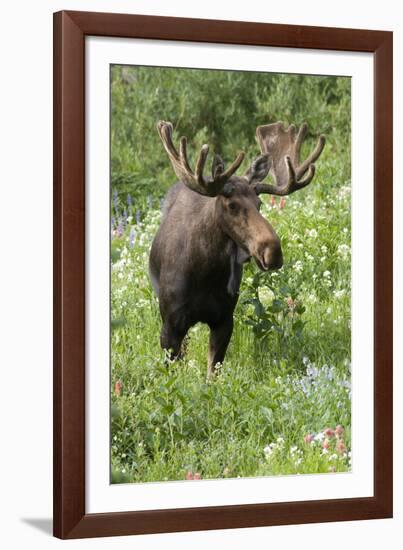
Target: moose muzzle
x=269, y=255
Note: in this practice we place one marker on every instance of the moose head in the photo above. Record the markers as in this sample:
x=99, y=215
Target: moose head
x=212, y=225
x=237, y=202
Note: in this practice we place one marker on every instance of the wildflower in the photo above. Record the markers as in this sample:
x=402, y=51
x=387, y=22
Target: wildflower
x=339, y=431
x=120, y=228
x=118, y=387
x=308, y=438
x=339, y=293
x=290, y=303
x=319, y=437
x=329, y=432
x=340, y=447
x=132, y=237
x=311, y=233
x=282, y=203
x=226, y=471
x=326, y=274
x=137, y=216
x=197, y=476
x=189, y=475
x=298, y=267
x=268, y=450
x=115, y=199
x=326, y=444
x=273, y=201
x=265, y=296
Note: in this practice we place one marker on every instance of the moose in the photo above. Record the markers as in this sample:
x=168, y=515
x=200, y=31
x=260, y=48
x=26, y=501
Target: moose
x=212, y=225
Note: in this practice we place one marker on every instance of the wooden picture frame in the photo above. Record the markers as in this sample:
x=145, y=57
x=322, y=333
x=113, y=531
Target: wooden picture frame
x=70, y=517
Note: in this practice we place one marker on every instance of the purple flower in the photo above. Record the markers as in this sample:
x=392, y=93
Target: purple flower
x=130, y=203
x=115, y=199
x=120, y=228
x=137, y=216
x=132, y=237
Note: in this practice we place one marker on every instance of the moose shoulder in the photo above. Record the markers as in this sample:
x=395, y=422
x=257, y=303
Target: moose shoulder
x=211, y=226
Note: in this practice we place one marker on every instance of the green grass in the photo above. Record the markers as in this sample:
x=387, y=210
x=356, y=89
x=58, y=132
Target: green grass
x=287, y=369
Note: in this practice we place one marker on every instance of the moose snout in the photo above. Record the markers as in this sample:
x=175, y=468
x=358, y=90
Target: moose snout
x=270, y=255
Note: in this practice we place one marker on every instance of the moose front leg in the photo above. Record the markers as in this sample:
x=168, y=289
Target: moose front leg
x=220, y=335
x=171, y=340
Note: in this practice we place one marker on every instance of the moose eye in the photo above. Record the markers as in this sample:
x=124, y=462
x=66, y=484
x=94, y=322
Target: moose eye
x=232, y=206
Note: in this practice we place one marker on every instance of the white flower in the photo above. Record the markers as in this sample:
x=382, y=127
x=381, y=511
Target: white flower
x=312, y=298
x=339, y=293
x=343, y=250
x=326, y=274
x=311, y=233
x=266, y=296
x=268, y=450
x=298, y=266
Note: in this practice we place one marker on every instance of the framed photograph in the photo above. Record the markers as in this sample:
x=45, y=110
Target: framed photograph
x=222, y=274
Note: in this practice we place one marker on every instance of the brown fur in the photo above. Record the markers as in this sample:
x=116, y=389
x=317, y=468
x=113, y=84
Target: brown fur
x=196, y=260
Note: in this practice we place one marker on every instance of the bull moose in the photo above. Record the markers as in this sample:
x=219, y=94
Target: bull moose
x=212, y=225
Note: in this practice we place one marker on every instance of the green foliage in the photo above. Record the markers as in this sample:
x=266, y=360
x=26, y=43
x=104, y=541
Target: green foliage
x=286, y=376
x=221, y=108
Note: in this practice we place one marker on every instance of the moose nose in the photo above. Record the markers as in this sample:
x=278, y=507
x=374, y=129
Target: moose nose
x=272, y=256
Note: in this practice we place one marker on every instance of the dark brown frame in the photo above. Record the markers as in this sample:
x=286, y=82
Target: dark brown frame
x=70, y=30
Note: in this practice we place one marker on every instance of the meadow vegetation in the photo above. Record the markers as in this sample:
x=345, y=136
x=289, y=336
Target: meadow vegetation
x=280, y=403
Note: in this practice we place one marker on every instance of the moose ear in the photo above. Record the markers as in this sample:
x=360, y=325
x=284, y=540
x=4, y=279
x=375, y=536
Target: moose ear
x=259, y=169
x=218, y=167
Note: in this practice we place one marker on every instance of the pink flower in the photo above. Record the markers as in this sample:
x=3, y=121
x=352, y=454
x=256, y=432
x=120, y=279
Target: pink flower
x=282, y=203
x=329, y=432
x=340, y=447
x=197, y=476
x=273, y=201
x=308, y=438
x=339, y=431
x=189, y=475
x=290, y=302
x=118, y=387
x=326, y=444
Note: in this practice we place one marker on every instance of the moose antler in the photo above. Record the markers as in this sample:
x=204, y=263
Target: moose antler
x=284, y=148
x=195, y=180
